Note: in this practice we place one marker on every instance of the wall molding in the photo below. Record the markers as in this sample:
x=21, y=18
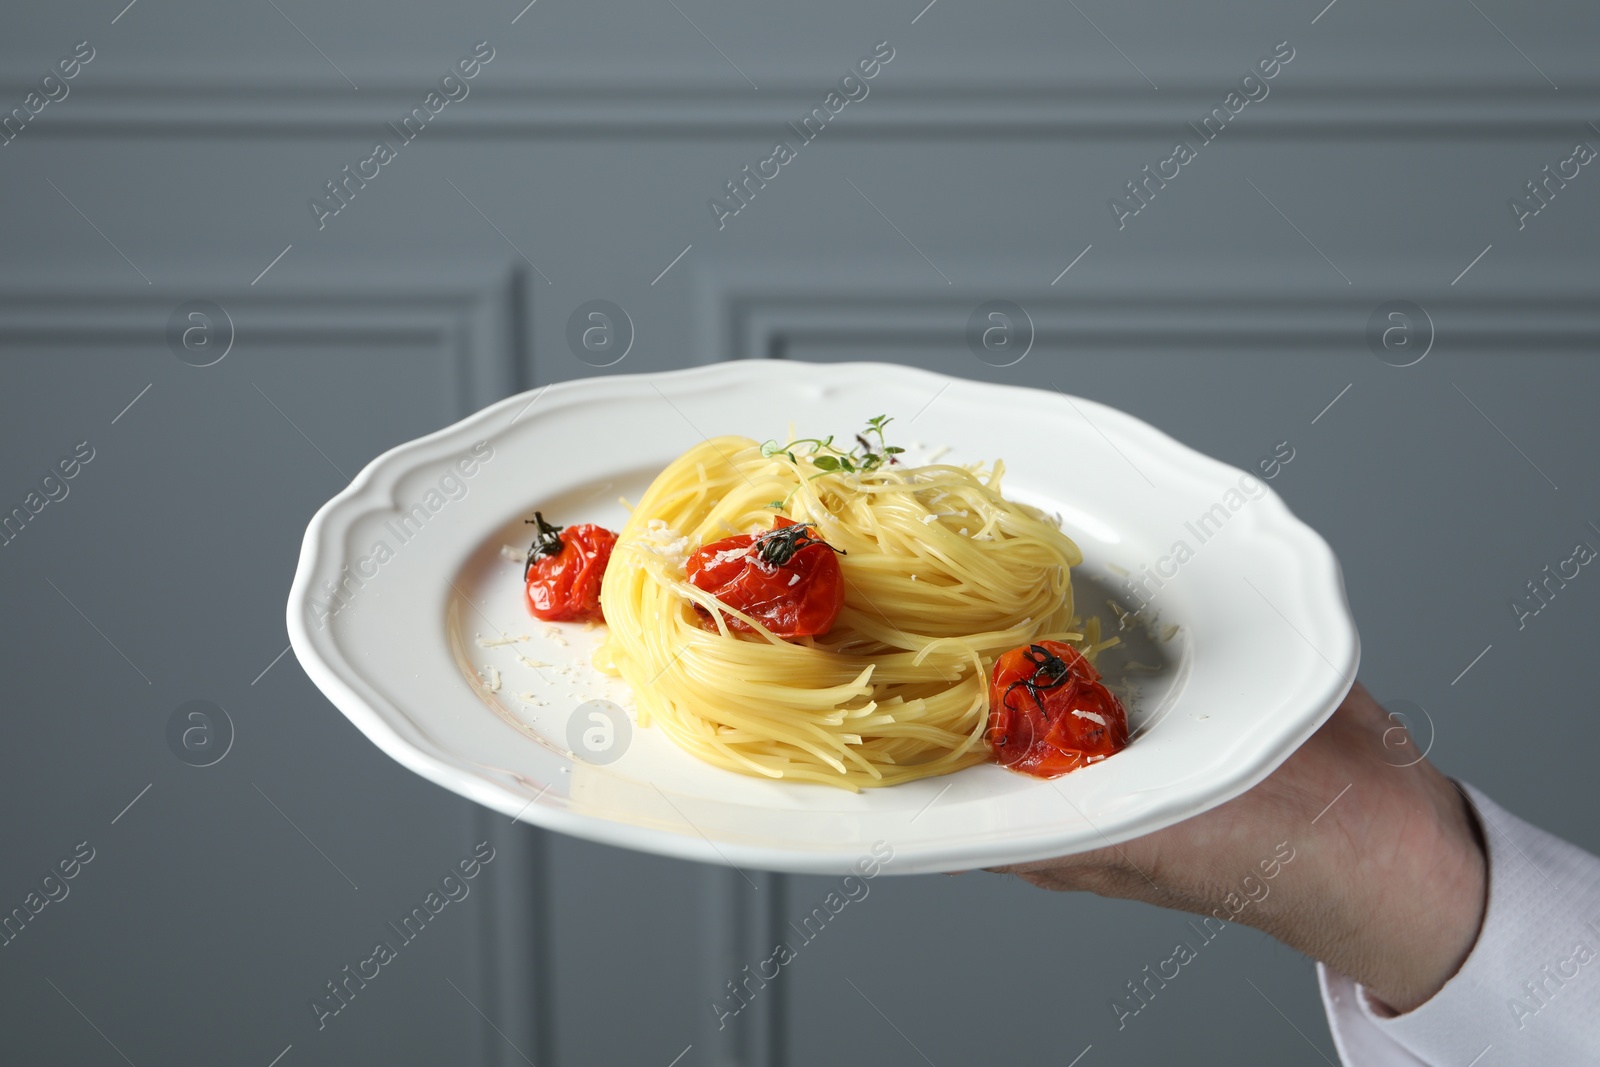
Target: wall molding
x=763, y=329
x=742, y=917
x=477, y=323
x=741, y=314
x=674, y=108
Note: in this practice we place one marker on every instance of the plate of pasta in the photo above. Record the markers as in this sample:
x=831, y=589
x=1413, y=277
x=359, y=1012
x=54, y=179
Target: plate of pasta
x=771, y=614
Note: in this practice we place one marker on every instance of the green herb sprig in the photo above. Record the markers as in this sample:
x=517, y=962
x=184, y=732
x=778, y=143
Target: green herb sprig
x=829, y=458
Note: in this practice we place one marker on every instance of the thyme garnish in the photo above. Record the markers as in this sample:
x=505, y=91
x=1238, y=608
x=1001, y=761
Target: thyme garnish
x=829, y=458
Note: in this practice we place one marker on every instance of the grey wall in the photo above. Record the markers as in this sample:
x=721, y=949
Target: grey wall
x=1230, y=311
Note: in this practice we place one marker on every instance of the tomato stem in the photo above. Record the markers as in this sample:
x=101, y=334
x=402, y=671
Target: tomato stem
x=777, y=546
x=1050, y=672
x=546, y=542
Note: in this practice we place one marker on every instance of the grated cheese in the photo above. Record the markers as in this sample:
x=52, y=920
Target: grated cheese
x=484, y=642
x=666, y=543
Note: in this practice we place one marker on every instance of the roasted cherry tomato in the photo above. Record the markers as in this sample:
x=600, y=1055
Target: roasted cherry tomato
x=1050, y=714
x=787, y=578
x=564, y=570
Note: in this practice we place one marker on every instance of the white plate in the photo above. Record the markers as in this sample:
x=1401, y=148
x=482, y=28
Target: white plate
x=1264, y=647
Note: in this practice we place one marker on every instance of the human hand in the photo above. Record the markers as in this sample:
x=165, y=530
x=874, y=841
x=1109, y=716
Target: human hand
x=1387, y=882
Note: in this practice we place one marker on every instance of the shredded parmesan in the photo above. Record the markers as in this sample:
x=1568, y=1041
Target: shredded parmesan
x=668, y=544
x=484, y=642
x=1091, y=716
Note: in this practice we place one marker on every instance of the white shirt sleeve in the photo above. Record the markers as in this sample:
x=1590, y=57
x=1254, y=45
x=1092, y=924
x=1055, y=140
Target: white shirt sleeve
x=1529, y=993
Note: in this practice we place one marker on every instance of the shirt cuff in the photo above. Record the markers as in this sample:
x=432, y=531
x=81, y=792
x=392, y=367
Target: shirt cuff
x=1529, y=992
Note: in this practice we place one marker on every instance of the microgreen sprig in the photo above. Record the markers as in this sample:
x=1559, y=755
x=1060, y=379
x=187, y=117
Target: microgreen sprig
x=829, y=458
